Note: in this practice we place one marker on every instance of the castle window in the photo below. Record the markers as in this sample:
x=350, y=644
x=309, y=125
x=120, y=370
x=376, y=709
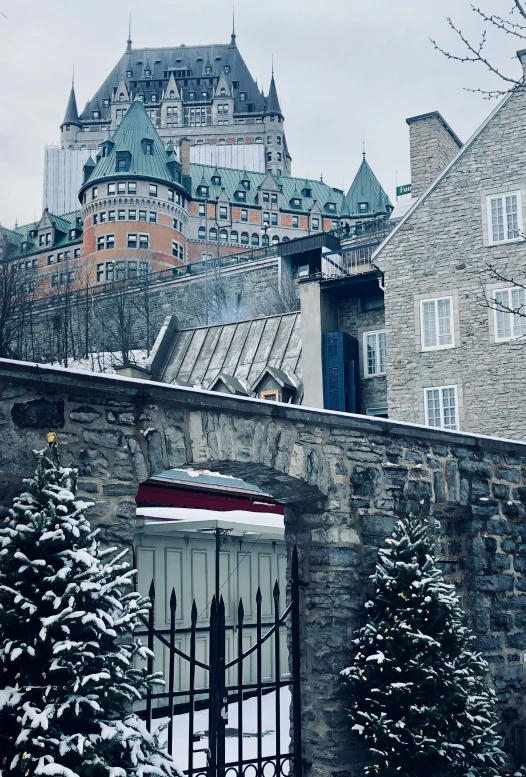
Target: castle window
x=363, y=207
x=241, y=196
x=212, y=234
x=266, y=197
x=244, y=214
x=147, y=73
x=222, y=92
x=269, y=140
x=76, y=253
x=269, y=156
x=177, y=250
x=203, y=191
x=208, y=69
x=94, y=193
x=274, y=198
x=95, y=218
x=295, y=222
x=110, y=241
x=121, y=96
x=315, y=224
x=265, y=240
x=255, y=239
x=144, y=242
x=295, y=203
x=153, y=217
x=223, y=236
x=122, y=215
x=95, y=115
x=142, y=215
x=171, y=194
x=204, y=94
x=50, y=259
x=216, y=180
x=100, y=243
x=259, y=139
x=148, y=149
x=111, y=215
x=242, y=96
x=266, y=217
x=274, y=219
x=279, y=156
x=441, y=404
x=244, y=238
x=172, y=94
x=227, y=69
x=201, y=233
x=111, y=189
x=102, y=218
x=374, y=353
x=235, y=84
x=132, y=188
x=72, y=233
x=153, y=190
x=132, y=215
x=234, y=237
x=128, y=74
x=223, y=212
x=121, y=188
x=122, y=165
x=153, y=98
x=222, y=141
x=278, y=140
x=201, y=209
x=143, y=270
x=275, y=240
x=240, y=141
x=331, y=207
x=132, y=241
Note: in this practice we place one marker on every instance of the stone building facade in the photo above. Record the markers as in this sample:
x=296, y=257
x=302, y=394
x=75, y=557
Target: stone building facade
x=343, y=480
x=452, y=360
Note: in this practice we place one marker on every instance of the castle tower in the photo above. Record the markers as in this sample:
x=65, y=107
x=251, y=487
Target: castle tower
x=366, y=200
x=277, y=158
x=71, y=124
x=134, y=203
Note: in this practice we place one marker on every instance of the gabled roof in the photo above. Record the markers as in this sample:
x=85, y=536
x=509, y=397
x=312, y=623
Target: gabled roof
x=135, y=128
x=281, y=378
x=366, y=188
x=465, y=148
x=64, y=224
x=71, y=116
x=233, y=384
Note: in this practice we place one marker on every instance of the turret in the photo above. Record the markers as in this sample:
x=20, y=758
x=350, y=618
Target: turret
x=71, y=124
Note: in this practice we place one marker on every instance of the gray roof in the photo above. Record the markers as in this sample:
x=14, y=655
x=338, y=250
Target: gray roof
x=162, y=61
x=272, y=100
x=71, y=116
x=241, y=350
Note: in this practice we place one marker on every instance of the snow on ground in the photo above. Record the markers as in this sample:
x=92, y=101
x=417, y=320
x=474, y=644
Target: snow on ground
x=103, y=361
x=250, y=741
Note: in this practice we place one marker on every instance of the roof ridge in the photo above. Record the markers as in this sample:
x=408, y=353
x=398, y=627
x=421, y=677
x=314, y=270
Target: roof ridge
x=241, y=321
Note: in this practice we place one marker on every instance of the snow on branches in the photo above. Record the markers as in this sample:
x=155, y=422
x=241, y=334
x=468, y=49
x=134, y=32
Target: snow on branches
x=68, y=657
x=416, y=688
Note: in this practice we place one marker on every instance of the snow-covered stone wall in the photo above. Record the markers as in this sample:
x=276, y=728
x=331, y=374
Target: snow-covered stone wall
x=343, y=479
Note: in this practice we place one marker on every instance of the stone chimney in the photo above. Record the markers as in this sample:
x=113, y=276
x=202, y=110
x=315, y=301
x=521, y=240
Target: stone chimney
x=433, y=144
x=184, y=155
x=522, y=59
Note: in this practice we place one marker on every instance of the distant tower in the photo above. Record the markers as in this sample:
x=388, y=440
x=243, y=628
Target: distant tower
x=71, y=124
x=277, y=159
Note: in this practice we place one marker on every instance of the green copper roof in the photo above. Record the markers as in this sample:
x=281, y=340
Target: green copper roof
x=129, y=140
x=365, y=189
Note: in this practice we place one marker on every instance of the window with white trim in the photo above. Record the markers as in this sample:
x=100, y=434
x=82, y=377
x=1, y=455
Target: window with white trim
x=374, y=353
x=504, y=217
x=510, y=313
x=441, y=407
x=436, y=321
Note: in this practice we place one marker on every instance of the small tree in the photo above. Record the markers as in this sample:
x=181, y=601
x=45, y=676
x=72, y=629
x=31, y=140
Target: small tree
x=416, y=687
x=67, y=616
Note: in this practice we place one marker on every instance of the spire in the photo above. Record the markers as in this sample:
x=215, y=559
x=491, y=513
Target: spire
x=272, y=99
x=129, y=46
x=71, y=116
x=233, y=36
x=366, y=196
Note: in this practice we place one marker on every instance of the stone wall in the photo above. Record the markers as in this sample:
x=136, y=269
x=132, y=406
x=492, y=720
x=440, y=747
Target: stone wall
x=343, y=480
x=442, y=249
x=432, y=145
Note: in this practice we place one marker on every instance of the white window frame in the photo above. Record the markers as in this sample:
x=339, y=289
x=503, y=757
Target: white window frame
x=374, y=333
x=441, y=390
x=514, y=321
x=438, y=346
x=502, y=196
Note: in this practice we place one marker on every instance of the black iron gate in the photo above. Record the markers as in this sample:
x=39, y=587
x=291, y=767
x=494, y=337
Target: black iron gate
x=219, y=696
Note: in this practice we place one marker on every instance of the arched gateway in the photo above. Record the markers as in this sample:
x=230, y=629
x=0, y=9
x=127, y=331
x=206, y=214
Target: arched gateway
x=343, y=480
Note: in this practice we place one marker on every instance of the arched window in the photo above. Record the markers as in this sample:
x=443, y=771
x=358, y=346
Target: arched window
x=223, y=236
x=275, y=240
x=223, y=91
x=121, y=96
x=255, y=239
x=234, y=237
x=285, y=240
x=244, y=238
x=172, y=94
x=265, y=240
x=201, y=234
x=222, y=141
x=212, y=233
x=240, y=141
x=259, y=140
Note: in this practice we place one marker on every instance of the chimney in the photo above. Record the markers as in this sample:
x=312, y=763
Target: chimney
x=432, y=145
x=522, y=59
x=184, y=155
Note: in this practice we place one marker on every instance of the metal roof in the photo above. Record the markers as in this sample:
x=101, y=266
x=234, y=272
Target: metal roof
x=71, y=116
x=365, y=188
x=242, y=350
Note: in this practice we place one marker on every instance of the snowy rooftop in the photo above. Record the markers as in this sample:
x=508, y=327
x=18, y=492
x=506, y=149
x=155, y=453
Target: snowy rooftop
x=166, y=520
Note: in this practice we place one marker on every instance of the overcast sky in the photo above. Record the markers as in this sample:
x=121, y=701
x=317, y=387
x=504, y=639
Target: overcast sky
x=345, y=70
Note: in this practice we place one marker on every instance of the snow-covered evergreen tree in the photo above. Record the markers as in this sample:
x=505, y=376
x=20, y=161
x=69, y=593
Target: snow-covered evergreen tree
x=67, y=616
x=416, y=688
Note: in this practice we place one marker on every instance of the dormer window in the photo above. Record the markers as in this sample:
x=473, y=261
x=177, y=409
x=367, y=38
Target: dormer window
x=241, y=195
x=204, y=94
x=242, y=96
x=128, y=74
x=307, y=192
x=222, y=92
x=208, y=69
x=227, y=68
x=153, y=98
x=191, y=95
x=148, y=148
x=295, y=202
x=245, y=184
x=216, y=180
x=266, y=197
x=121, y=97
x=95, y=115
x=203, y=191
x=106, y=102
x=72, y=233
x=331, y=207
x=147, y=73
x=172, y=94
x=363, y=207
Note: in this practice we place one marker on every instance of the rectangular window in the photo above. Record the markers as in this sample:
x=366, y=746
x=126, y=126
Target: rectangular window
x=122, y=215
x=54, y=280
x=50, y=260
x=109, y=271
x=132, y=241
x=48, y=238
x=60, y=256
x=153, y=190
x=153, y=217
x=295, y=222
x=143, y=270
x=100, y=272
x=201, y=209
x=111, y=215
x=100, y=243
x=223, y=212
x=171, y=195
x=441, y=407
x=110, y=241
x=436, y=318
x=244, y=214
x=374, y=353
x=274, y=198
x=121, y=188
x=143, y=241
x=274, y=219
x=510, y=315
x=102, y=218
x=66, y=256
x=94, y=193
x=120, y=270
x=132, y=215
x=122, y=165
x=76, y=253
x=95, y=218
x=315, y=224
x=266, y=217
x=142, y=215
x=266, y=197
x=132, y=187
x=111, y=189
x=132, y=269
x=504, y=217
